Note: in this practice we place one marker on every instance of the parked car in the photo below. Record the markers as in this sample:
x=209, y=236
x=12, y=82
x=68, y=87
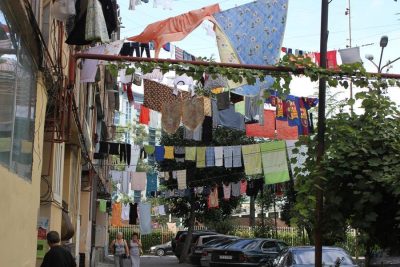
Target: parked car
x=180, y=241
x=385, y=258
x=162, y=250
x=202, y=241
x=212, y=245
x=305, y=257
x=247, y=252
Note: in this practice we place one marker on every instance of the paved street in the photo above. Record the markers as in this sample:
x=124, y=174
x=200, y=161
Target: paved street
x=155, y=261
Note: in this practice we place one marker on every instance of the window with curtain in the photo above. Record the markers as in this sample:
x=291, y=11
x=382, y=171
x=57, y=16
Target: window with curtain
x=17, y=101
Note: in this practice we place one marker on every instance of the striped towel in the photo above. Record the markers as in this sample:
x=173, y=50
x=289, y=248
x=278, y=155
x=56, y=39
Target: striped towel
x=178, y=53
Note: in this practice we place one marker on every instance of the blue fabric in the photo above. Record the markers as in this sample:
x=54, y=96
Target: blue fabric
x=210, y=156
x=151, y=183
x=255, y=31
x=159, y=153
x=227, y=117
x=145, y=218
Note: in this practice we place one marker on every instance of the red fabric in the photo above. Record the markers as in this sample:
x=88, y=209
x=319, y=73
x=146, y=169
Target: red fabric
x=284, y=131
x=144, y=117
x=331, y=62
x=129, y=93
x=175, y=28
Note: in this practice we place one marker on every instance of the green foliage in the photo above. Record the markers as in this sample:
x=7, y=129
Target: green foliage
x=360, y=175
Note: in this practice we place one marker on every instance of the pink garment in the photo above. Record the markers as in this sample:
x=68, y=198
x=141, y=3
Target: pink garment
x=243, y=187
x=138, y=181
x=227, y=191
x=175, y=28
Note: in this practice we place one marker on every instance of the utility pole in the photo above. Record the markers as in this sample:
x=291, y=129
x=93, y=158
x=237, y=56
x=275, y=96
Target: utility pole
x=321, y=134
x=348, y=13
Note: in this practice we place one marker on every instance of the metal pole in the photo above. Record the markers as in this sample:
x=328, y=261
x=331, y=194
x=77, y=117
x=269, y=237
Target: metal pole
x=350, y=45
x=298, y=70
x=321, y=133
x=380, y=60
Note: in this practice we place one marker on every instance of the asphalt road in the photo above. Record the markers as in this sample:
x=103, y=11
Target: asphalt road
x=155, y=261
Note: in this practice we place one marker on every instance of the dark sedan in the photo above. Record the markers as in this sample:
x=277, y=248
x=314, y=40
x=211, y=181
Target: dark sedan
x=247, y=252
x=305, y=257
x=218, y=244
x=162, y=250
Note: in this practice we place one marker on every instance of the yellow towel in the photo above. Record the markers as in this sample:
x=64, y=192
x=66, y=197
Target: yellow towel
x=190, y=153
x=169, y=152
x=200, y=157
x=252, y=159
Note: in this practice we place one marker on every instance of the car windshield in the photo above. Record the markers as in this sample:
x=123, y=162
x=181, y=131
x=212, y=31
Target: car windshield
x=241, y=244
x=213, y=241
x=329, y=256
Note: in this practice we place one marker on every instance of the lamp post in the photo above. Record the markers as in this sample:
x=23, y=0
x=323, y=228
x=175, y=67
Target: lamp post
x=383, y=43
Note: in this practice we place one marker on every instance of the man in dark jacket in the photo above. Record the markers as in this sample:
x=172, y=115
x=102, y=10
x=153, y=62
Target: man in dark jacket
x=57, y=256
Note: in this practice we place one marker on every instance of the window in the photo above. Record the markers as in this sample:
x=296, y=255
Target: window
x=269, y=247
x=45, y=29
x=58, y=171
x=17, y=101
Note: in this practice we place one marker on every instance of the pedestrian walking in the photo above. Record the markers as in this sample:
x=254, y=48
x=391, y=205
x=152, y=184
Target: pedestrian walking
x=120, y=250
x=57, y=256
x=135, y=250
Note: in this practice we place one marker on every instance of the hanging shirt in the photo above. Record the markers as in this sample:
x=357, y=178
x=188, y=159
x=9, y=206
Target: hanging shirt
x=133, y=214
x=125, y=212
x=227, y=191
x=200, y=157
x=219, y=154
x=227, y=117
x=116, y=214
x=103, y=205
x=213, y=201
x=151, y=186
x=243, y=186
x=236, y=189
x=155, y=118
x=144, y=117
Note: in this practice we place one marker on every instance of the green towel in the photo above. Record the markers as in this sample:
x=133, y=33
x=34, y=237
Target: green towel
x=240, y=107
x=275, y=162
x=190, y=153
x=200, y=157
x=5, y=144
x=103, y=205
x=252, y=159
x=149, y=149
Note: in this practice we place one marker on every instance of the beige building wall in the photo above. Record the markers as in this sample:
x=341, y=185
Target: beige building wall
x=20, y=201
x=86, y=226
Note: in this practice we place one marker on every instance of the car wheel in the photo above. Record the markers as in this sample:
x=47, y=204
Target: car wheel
x=160, y=252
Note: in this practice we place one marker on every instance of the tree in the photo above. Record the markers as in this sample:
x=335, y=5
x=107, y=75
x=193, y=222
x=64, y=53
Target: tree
x=194, y=207
x=361, y=175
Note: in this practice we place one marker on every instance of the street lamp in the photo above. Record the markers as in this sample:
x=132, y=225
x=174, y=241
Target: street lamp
x=382, y=43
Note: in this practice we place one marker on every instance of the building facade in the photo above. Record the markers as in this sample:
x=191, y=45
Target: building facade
x=50, y=126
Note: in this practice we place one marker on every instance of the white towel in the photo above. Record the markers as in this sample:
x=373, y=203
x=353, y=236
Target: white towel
x=181, y=176
x=219, y=155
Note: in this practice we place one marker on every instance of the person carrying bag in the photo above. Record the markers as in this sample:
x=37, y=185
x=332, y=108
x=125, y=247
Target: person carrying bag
x=120, y=250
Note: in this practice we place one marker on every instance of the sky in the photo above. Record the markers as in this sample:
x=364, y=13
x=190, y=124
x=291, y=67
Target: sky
x=370, y=19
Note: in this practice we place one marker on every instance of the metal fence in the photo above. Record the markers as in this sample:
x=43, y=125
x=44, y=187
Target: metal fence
x=291, y=235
